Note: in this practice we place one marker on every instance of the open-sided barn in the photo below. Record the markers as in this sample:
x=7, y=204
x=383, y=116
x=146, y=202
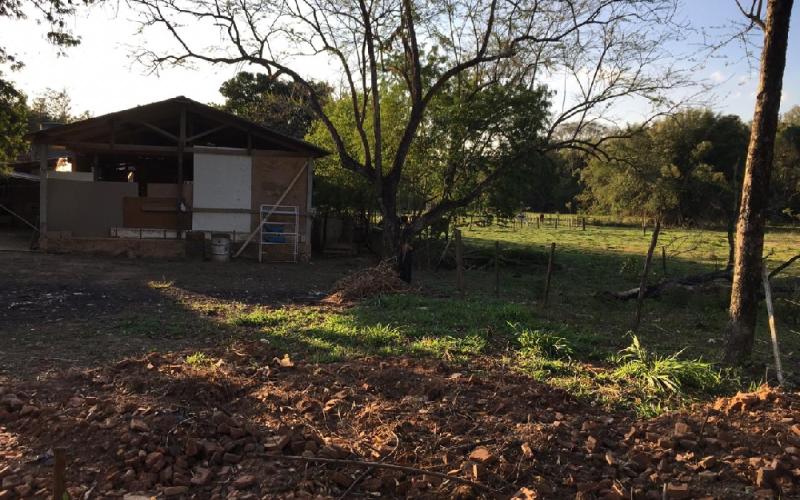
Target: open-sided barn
x=148, y=179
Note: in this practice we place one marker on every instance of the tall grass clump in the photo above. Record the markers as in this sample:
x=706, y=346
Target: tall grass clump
x=541, y=342
x=664, y=374
x=541, y=353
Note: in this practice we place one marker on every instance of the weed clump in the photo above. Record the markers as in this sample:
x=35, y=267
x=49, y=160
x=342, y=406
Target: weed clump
x=664, y=374
x=198, y=360
x=541, y=353
x=541, y=342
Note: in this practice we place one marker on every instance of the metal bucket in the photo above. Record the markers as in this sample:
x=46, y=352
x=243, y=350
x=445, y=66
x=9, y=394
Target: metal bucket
x=220, y=247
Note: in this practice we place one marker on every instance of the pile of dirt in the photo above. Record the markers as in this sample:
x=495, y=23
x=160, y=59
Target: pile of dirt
x=371, y=282
x=252, y=424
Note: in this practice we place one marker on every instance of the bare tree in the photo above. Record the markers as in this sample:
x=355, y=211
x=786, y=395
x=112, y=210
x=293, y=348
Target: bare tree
x=755, y=188
x=610, y=51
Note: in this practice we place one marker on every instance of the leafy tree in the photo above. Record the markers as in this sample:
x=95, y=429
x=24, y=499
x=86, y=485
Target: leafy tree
x=469, y=137
x=52, y=13
x=684, y=168
x=13, y=119
x=53, y=106
x=275, y=103
x=13, y=110
x=488, y=141
x=634, y=179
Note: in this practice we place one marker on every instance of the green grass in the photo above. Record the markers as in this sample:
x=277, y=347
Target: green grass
x=391, y=325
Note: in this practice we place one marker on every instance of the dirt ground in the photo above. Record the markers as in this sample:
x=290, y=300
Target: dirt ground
x=59, y=311
x=94, y=361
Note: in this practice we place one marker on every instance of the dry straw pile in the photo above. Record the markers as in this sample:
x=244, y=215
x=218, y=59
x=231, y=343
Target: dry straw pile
x=370, y=282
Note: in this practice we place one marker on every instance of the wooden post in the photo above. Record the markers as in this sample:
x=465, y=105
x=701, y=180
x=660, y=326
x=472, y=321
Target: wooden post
x=549, y=273
x=497, y=268
x=645, y=272
x=556, y=221
x=664, y=260
x=773, y=329
x=428, y=250
x=59, y=474
x=181, y=146
x=42, y=151
x=459, y=263
x=583, y=223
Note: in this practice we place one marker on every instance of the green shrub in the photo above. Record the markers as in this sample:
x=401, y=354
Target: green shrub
x=664, y=374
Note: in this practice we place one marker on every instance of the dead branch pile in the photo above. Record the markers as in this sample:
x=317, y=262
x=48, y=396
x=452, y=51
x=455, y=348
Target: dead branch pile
x=369, y=282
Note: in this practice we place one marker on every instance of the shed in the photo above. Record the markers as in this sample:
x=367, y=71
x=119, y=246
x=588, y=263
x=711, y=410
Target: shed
x=139, y=180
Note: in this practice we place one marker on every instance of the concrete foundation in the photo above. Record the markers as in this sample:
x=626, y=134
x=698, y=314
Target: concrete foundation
x=133, y=248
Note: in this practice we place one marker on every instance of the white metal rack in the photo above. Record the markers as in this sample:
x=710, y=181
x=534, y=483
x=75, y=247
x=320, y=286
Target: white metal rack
x=280, y=225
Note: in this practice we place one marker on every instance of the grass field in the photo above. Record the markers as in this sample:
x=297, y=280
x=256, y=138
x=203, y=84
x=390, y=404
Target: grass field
x=577, y=341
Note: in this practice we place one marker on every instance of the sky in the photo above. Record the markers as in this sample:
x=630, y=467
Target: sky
x=101, y=76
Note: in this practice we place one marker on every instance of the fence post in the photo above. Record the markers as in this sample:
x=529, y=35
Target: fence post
x=497, y=268
x=549, y=273
x=664, y=260
x=459, y=263
x=773, y=330
x=583, y=223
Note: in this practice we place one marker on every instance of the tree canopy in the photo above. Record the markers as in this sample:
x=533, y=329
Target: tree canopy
x=279, y=104
x=686, y=168
x=13, y=122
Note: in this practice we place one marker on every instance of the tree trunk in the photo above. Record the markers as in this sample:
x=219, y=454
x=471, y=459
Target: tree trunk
x=755, y=186
x=392, y=231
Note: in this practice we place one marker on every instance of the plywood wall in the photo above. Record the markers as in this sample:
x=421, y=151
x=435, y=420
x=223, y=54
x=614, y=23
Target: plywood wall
x=271, y=176
x=222, y=182
x=86, y=208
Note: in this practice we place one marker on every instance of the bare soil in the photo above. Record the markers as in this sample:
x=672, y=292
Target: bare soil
x=59, y=311
x=134, y=417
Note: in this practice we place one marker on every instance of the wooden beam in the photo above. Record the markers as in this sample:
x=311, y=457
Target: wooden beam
x=160, y=130
x=121, y=148
x=207, y=210
x=181, y=146
x=207, y=132
x=279, y=153
x=309, y=208
x=42, y=151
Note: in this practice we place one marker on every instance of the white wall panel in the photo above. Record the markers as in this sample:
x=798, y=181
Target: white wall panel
x=222, y=181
